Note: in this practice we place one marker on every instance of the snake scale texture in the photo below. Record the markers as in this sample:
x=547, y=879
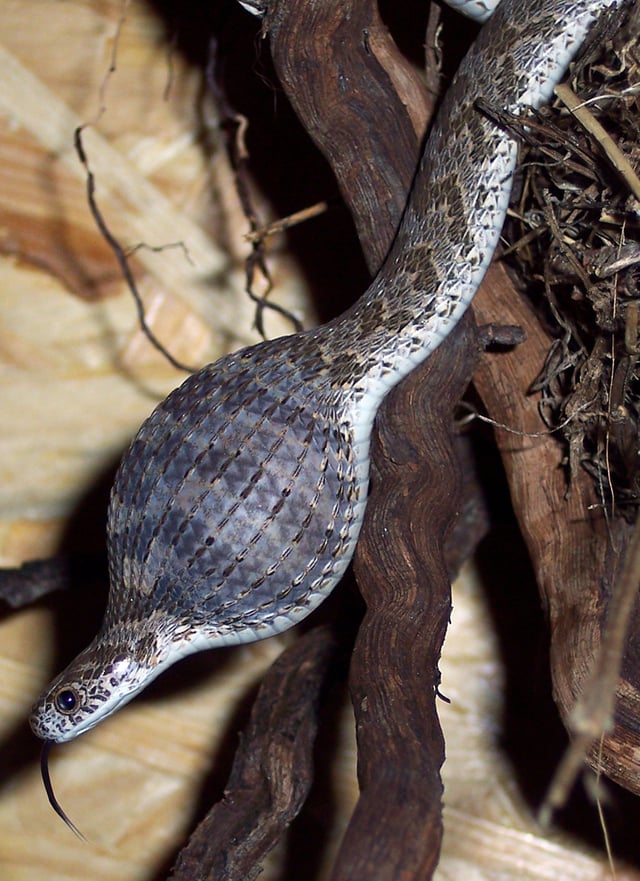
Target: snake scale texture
x=238, y=506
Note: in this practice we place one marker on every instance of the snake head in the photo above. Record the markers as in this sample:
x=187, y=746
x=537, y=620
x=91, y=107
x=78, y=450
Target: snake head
x=118, y=664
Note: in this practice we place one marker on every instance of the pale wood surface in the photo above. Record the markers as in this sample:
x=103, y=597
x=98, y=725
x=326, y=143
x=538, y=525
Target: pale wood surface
x=77, y=377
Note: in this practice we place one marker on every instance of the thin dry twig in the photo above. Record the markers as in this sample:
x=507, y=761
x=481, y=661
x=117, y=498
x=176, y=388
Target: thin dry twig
x=121, y=256
x=235, y=126
x=285, y=223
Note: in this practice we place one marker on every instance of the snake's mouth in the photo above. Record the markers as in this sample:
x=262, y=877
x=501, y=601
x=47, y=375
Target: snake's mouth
x=37, y=724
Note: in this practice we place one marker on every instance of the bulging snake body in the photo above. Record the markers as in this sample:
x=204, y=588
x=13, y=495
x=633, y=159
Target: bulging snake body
x=238, y=506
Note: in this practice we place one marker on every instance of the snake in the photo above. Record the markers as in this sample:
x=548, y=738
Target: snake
x=237, y=508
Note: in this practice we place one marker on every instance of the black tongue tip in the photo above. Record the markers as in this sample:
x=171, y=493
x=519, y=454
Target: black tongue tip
x=48, y=788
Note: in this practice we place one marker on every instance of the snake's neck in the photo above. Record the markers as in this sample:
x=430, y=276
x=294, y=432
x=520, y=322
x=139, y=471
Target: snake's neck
x=459, y=200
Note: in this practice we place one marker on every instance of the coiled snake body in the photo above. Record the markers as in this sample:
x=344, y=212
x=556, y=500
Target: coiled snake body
x=237, y=508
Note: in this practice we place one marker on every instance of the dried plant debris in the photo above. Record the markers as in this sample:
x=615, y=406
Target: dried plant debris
x=579, y=218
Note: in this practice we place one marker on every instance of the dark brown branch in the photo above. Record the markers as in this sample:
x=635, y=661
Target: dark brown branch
x=272, y=770
x=575, y=553
x=397, y=826
x=25, y=584
x=360, y=101
x=348, y=101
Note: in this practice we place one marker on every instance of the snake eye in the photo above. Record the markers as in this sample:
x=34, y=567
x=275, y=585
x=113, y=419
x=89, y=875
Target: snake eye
x=66, y=700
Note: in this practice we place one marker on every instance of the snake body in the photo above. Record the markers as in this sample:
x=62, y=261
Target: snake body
x=238, y=506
